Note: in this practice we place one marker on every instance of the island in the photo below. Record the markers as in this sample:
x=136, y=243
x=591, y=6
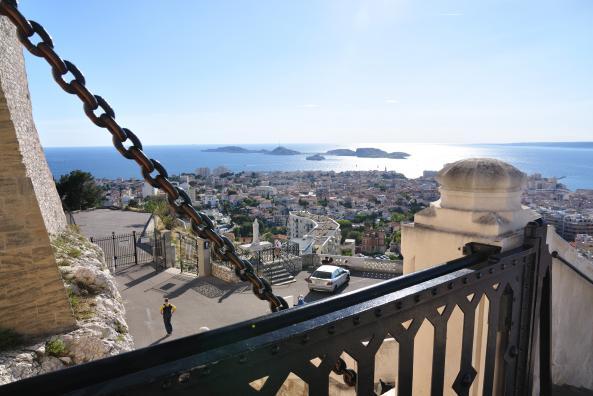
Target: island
x=280, y=150
x=231, y=149
x=315, y=157
x=368, y=152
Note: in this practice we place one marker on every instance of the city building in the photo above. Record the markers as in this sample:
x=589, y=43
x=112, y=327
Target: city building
x=373, y=241
x=569, y=223
x=314, y=233
x=203, y=172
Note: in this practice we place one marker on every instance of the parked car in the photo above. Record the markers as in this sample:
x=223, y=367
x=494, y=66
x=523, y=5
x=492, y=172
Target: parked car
x=328, y=278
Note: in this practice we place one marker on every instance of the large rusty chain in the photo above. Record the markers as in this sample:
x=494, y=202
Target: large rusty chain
x=153, y=172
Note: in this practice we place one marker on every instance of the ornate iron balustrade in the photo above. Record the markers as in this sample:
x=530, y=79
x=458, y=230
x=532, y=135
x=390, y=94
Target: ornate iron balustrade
x=228, y=360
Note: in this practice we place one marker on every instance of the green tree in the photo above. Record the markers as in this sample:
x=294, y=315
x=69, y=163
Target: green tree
x=344, y=224
x=78, y=190
x=397, y=237
x=163, y=211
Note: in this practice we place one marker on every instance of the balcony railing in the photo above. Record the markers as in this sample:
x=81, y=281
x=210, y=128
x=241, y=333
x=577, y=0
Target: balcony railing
x=308, y=340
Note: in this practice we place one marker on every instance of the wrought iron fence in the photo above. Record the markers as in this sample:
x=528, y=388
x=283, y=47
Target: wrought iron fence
x=263, y=259
x=188, y=249
x=258, y=356
x=124, y=250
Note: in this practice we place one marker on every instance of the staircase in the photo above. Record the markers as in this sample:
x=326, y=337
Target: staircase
x=277, y=274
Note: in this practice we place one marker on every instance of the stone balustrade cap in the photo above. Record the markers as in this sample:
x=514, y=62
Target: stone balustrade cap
x=481, y=175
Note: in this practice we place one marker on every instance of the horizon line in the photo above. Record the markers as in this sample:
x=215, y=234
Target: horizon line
x=332, y=144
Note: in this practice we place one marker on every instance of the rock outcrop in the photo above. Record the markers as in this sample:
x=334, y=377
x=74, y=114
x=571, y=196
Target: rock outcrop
x=100, y=315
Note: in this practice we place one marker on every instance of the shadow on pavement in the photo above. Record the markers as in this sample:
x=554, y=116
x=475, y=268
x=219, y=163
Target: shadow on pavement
x=129, y=272
x=239, y=288
x=318, y=295
x=209, y=287
x=159, y=340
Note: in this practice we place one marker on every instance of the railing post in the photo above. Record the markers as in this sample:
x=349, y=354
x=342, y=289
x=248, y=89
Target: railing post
x=114, y=251
x=197, y=257
x=135, y=248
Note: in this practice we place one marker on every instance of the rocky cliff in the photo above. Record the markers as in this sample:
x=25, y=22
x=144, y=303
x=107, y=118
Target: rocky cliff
x=100, y=316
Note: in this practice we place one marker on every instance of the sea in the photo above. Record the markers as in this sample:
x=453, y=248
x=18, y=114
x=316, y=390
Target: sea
x=571, y=162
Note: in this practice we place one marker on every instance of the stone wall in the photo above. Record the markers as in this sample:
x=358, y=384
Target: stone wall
x=32, y=297
x=224, y=273
x=364, y=264
x=19, y=142
x=101, y=329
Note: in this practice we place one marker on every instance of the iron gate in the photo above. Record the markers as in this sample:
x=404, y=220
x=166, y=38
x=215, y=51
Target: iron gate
x=188, y=258
x=125, y=250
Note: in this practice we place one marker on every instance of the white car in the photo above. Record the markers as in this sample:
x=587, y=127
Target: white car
x=328, y=278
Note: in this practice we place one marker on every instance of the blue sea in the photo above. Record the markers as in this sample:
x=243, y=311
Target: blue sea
x=571, y=161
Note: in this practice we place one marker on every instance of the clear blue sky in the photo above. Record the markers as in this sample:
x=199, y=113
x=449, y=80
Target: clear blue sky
x=179, y=72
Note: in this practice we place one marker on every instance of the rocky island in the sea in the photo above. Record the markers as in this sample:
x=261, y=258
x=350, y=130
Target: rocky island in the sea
x=368, y=152
x=231, y=149
x=280, y=150
x=315, y=157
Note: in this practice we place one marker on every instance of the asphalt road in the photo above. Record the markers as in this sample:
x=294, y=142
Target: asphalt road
x=201, y=302
x=102, y=222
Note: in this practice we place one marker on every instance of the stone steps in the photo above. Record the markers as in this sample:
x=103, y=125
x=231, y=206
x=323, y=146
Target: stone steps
x=277, y=274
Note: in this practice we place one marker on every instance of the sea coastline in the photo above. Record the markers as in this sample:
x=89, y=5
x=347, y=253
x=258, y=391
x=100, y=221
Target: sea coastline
x=573, y=164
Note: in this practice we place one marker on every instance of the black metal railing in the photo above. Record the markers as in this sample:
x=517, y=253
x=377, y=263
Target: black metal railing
x=308, y=340
x=125, y=250
x=273, y=254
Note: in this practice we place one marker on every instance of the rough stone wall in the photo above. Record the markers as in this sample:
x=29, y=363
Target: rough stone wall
x=32, y=297
x=19, y=141
x=224, y=273
x=100, y=315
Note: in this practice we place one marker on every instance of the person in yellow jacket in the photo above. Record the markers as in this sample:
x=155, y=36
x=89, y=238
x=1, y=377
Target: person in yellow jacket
x=167, y=310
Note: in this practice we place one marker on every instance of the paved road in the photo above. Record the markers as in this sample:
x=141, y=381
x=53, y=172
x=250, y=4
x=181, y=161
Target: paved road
x=102, y=222
x=207, y=302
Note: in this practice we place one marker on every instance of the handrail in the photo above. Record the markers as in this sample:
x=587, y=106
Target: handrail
x=81, y=376
x=556, y=255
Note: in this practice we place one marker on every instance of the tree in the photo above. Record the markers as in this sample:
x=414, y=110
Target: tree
x=160, y=208
x=78, y=190
x=397, y=237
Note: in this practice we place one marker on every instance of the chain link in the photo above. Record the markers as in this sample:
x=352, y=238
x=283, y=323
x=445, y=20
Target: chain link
x=177, y=198
x=347, y=374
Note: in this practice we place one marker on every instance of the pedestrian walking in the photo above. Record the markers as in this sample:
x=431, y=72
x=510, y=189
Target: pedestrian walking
x=167, y=311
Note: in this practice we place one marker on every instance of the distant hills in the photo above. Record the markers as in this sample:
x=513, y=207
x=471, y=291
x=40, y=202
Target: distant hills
x=368, y=152
x=365, y=152
x=240, y=150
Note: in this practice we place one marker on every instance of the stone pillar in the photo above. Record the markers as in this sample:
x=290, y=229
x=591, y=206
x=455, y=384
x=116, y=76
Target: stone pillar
x=204, y=263
x=480, y=202
x=169, y=248
x=32, y=296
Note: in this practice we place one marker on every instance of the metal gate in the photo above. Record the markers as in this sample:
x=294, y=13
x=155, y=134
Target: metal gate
x=188, y=258
x=125, y=250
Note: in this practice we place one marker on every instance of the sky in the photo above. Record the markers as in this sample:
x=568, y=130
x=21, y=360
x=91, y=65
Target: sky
x=320, y=71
